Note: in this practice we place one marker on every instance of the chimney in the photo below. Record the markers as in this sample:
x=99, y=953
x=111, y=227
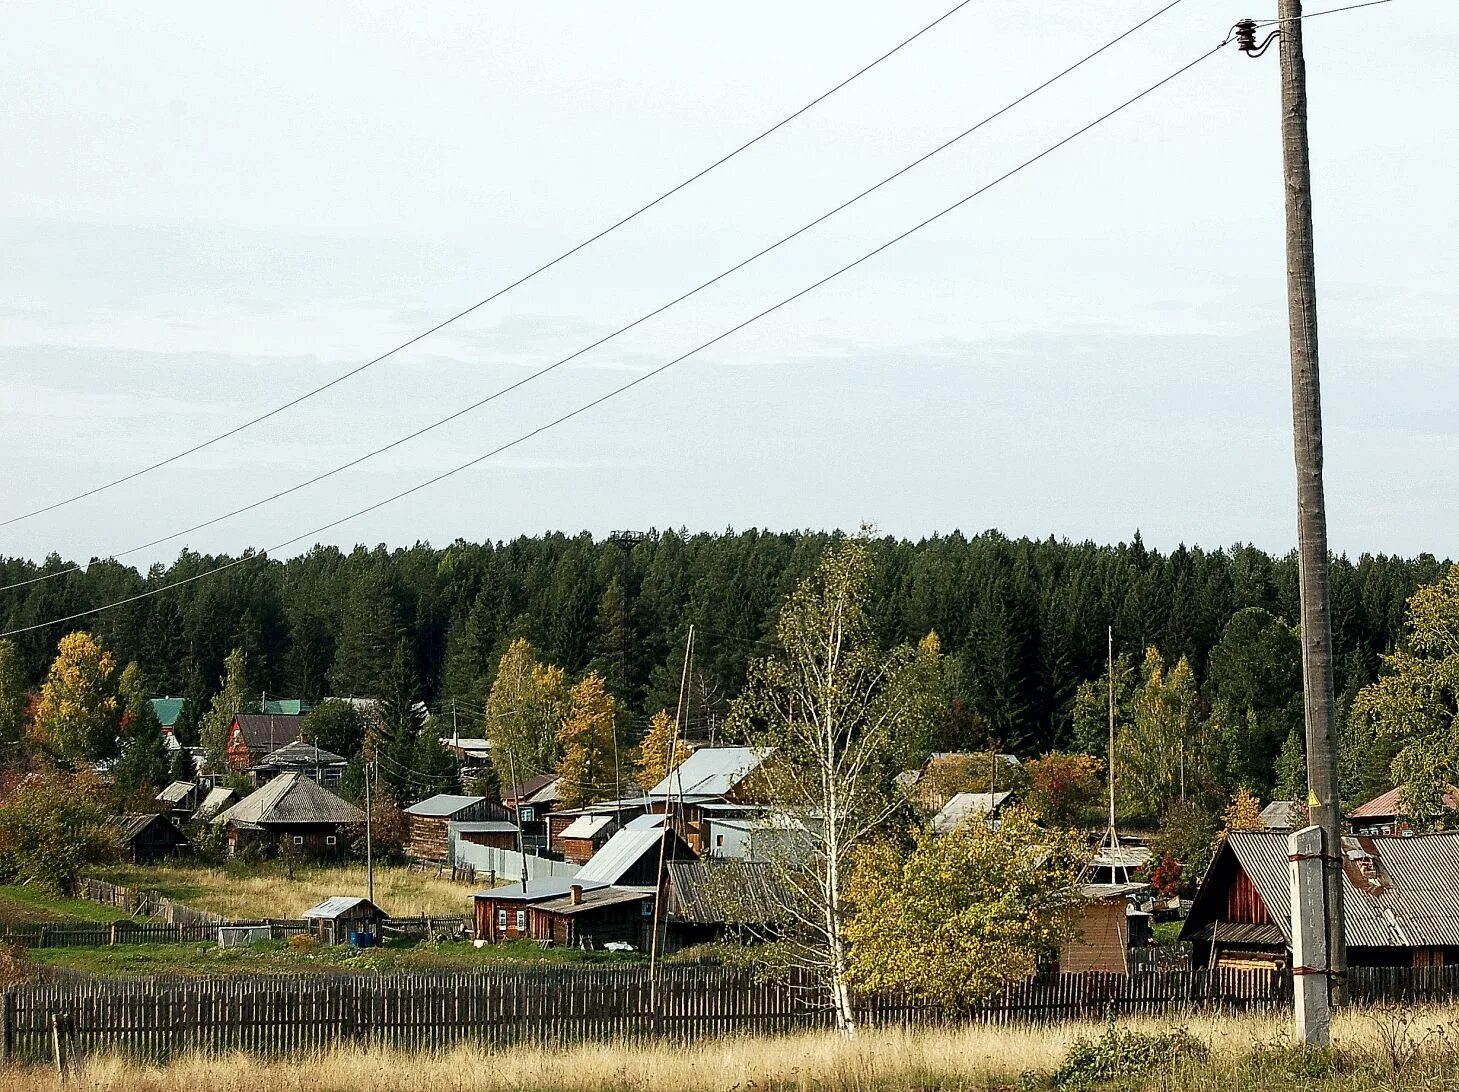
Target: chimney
x=575, y=894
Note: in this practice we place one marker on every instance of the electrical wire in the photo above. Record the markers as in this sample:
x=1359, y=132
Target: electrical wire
x=631, y=384
x=1315, y=14
x=457, y=414
x=133, y=475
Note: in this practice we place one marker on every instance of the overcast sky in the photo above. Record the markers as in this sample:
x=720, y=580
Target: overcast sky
x=206, y=210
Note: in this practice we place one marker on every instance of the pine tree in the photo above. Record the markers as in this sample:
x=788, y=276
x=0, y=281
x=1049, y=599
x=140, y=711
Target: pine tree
x=183, y=767
x=142, y=766
x=401, y=721
x=370, y=631
x=588, y=744
x=79, y=714
x=435, y=768
x=1292, y=768
x=227, y=703
x=13, y=696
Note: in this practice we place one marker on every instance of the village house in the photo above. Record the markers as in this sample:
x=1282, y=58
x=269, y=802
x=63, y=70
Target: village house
x=718, y=899
x=345, y=918
x=218, y=798
x=501, y=915
x=182, y=799
x=1285, y=815
x=306, y=759
x=314, y=821
x=149, y=837
x=964, y=807
x=529, y=804
x=635, y=858
x=712, y=781
x=1388, y=814
x=1400, y=902
x=254, y=736
x=429, y=822
x=581, y=838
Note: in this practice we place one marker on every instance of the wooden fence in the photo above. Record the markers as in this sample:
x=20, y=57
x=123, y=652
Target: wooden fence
x=86, y=935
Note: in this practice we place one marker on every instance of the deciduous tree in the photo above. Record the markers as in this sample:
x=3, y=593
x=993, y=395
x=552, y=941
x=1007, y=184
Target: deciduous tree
x=525, y=711
x=1063, y=788
x=14, y=697
x=588, y=743
x=653, y=754
x=51, y=827
x=79, y=715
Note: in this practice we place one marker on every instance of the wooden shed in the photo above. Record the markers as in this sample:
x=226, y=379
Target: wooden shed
x=584, y=836
x=591, y=917
x=430, y=819
x=149, y=837
x=1103, y=942
x=334, y=919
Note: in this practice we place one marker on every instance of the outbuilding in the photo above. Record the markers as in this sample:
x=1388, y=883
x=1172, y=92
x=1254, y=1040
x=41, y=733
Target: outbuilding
x=430, y=820
x=343, y=917
x=149, y=837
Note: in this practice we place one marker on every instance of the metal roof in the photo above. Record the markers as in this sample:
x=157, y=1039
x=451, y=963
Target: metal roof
x=292, y=799
x=268, y=732
x=587, y=826
x=1413, y=902
x=168, y=710
x=710, y=771
x=216, y=800
x=442, y=805
x=1284, y=815
x=620, y=853
x=965, y=805
x=646, y=822
x=1390, y=805
x=176, y=792
x=549, y=887
x=594, y=899
x=483, y=826
x=300, y=753
x=336, y=905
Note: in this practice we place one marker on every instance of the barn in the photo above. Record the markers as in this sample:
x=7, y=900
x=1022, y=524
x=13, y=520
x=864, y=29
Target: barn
x=1400, y=902
x=1104, y=937
x=430, y=819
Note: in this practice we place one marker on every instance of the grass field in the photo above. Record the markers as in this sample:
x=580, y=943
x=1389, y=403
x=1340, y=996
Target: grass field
x=278, y=957
x=26, y=905
x=265, y=891
x=1248, y=1054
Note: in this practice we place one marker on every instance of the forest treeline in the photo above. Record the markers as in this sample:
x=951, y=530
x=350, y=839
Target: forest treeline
x=1024, y=621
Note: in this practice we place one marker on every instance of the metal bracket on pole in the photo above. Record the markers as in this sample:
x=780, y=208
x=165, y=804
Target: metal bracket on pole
x=1245, y=34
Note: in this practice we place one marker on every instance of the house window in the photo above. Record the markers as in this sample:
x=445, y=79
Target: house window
x=521, y=921
x=526, y=815
x=298, y=841
x=329, y=840
x=719, y=841
x=501, y=921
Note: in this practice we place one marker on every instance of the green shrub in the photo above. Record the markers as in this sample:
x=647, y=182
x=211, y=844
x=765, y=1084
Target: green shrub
x=1122, y=1052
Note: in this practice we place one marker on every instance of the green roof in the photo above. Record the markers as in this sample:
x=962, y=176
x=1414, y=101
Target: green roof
x=286, y=707
x=168, y=710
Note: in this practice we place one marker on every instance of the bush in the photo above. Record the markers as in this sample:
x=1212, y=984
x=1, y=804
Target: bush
x=1121, y=1052
x=303, y=943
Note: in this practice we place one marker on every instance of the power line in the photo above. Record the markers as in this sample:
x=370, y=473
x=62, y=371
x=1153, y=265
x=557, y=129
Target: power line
x=500, y=291
x=1328, y=11
x=623, y=389
x=457, y=414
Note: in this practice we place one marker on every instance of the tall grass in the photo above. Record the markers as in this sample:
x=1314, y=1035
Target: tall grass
x=265, y=891
x=1247, y=1054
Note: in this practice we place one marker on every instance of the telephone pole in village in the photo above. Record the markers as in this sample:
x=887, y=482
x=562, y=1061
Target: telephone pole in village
x=1323, y=806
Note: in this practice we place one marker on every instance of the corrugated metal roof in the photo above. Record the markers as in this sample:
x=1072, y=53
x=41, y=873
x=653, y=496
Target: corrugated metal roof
x=549, y=887
x=289, y=799
x=710, y=771
x=619, y=854
x=1390, y=805
x=1284, y=815
x=336, y=905
x=300, y=753
x=1417, y=905
x=965, y=805
x=176, y=791
x=168, y=710
x=587, y=826
x=713, y=892
x=216, y=800
x=646, y=822
x=442, y=805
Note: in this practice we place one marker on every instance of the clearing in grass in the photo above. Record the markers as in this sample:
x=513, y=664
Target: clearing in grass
x=1375, y=1049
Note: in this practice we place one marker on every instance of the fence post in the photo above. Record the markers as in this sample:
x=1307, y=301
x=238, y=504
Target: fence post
x=7, y=1027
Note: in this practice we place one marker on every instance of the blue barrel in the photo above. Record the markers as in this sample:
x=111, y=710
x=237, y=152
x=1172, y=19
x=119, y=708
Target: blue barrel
x=362, y=939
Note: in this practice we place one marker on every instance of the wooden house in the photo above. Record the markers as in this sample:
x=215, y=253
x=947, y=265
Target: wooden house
x=307, y=759
x=1387, y=813
x=1104, y=937
x=314, y=821
x=710, y=777
x=529, y=804
x=714, y=898
x=1400, y=902
x=335, y=919
x=968, y=807
x=589, y=917
x=149, y=837
x=430, y=819
x=584, y=836
x=254, y=736
x=501, y=914
x=217, y=799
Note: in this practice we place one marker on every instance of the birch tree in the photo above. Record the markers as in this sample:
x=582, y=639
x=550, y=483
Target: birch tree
x=839, y=716
x=525, y=710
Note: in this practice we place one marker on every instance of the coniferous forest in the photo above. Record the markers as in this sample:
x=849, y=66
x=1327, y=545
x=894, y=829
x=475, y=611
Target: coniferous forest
x=1023, y=621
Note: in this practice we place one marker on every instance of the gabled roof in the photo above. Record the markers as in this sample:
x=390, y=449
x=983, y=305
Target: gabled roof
x=168, y=710
x=130, y=826
x=216, y=800
x=177, y=792
x=292, y=799
x=525, y=790
x=587, y=826
x=549, y=887
x=1400, y=891
x=302, y=754
x=1284, y=815
x=965, y=805
x=710, y=771
x=266, y=732
x=714, y=892
x=622, y=851
x=287, y=707
x=1390, y=805
x=336, y=905
x=442, y=806
x=646, y=822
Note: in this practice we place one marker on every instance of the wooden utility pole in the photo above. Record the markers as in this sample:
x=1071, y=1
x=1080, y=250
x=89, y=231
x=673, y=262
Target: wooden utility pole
x=1322, y=800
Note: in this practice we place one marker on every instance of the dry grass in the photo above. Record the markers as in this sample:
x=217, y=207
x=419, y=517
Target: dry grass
x=265, y=891
x=1247, y=1053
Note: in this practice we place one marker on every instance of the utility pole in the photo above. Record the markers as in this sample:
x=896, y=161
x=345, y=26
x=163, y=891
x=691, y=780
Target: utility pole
x=369, y=840
x=1323, y=806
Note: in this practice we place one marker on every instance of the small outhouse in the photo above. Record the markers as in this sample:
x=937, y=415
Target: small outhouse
x=338, y=919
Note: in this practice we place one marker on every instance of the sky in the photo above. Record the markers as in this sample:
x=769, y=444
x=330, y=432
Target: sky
x=206, y=211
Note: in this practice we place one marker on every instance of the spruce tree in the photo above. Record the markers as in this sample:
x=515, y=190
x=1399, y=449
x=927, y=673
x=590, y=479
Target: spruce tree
x=230, y=700
x=13, y=695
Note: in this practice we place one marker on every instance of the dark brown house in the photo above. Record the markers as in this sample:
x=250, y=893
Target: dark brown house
x=149, y=837
x=429, y=820
x=584, y=836
x=254, y=736
x=501, y=914
x=292, y=811
x=564, y=913
x=1400, y=902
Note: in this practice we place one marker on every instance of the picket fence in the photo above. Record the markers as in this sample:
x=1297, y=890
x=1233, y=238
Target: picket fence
x=155, y=1019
